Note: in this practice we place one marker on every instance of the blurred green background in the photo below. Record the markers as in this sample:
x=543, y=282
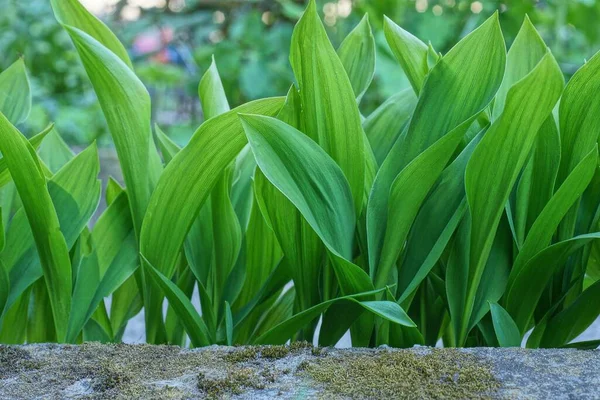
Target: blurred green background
x=172, y=42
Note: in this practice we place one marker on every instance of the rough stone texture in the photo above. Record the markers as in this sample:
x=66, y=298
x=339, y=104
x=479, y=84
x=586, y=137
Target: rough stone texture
x=141, y=371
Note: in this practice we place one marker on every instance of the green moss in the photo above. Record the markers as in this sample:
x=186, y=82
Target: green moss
x=268, y=375
x=402, y=374
x=302, y=366
x=236, y=381
x=317, y=351
x=14, y=360
x=111, y=376
x=242, y=354
x=114, y=370
x=300, y=345
x=143, y=371
x=250, y=353
x=274, y=352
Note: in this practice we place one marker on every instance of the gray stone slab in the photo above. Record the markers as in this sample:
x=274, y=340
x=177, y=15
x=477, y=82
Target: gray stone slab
x=48, y=371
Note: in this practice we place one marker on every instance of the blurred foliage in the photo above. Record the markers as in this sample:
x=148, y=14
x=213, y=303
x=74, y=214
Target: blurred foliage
x=61, y=90
x=250, y=41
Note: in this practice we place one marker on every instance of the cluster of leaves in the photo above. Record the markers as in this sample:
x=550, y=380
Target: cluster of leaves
x=463, y=209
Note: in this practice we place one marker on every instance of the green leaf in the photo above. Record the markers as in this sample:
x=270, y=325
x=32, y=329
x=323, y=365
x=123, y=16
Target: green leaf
x=578, y=126
x=272, y=287
x=471, y=71
x=410, y=52
x=386, y=123
x=281, y=310
x=227, y=234
x=302, y=248
x=113, y=189
x=40, y=327
x=125, y=103
x=75, y=193
x=435, y=223
x=506, y=330
x=73, y=13
x=545, y=225
x=406, y=196
x=95, y=332
x=499, y=157
x=188, y=180
x=4, y=286
x=313, y=182
x=357, y=54
x=525, y=53
x=198, y=246
x=228, y=325
x=578, y=129
x=191, y=320
x=537, y=181
x=573, y=320
x=330, y=113
x=35, y=142
x=54, y=152
x=15, y=92
x=14, y=321
x=493, y=281
x=241, y=190
x=302, y=171
x=175, y=331
x=4, y=279
x=88, y=277
x=212, y=94
x=523, y=295
x=75, y=189
x=208, y=312
x=30, y=181
x=2, y=233
x=114, y=259
x=167, y=146
x=282, y=332
x=262, y=255
x=390, y=311
x=495, y=274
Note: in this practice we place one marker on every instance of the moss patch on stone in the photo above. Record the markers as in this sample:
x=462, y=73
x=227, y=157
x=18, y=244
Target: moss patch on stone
x=402, y=374
x=242, y=354
x=251, y=353
x=98, y=371
x=235, y=382
x=274, y=352
x=111, y=377
x=14, y=360
x=95, y=371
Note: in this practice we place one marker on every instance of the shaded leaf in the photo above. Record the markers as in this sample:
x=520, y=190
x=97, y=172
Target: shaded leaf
x=15, y=92
x=506, y=330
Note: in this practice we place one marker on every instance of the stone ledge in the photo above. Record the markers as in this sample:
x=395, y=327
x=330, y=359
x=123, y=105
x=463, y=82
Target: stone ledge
x=141, y=371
